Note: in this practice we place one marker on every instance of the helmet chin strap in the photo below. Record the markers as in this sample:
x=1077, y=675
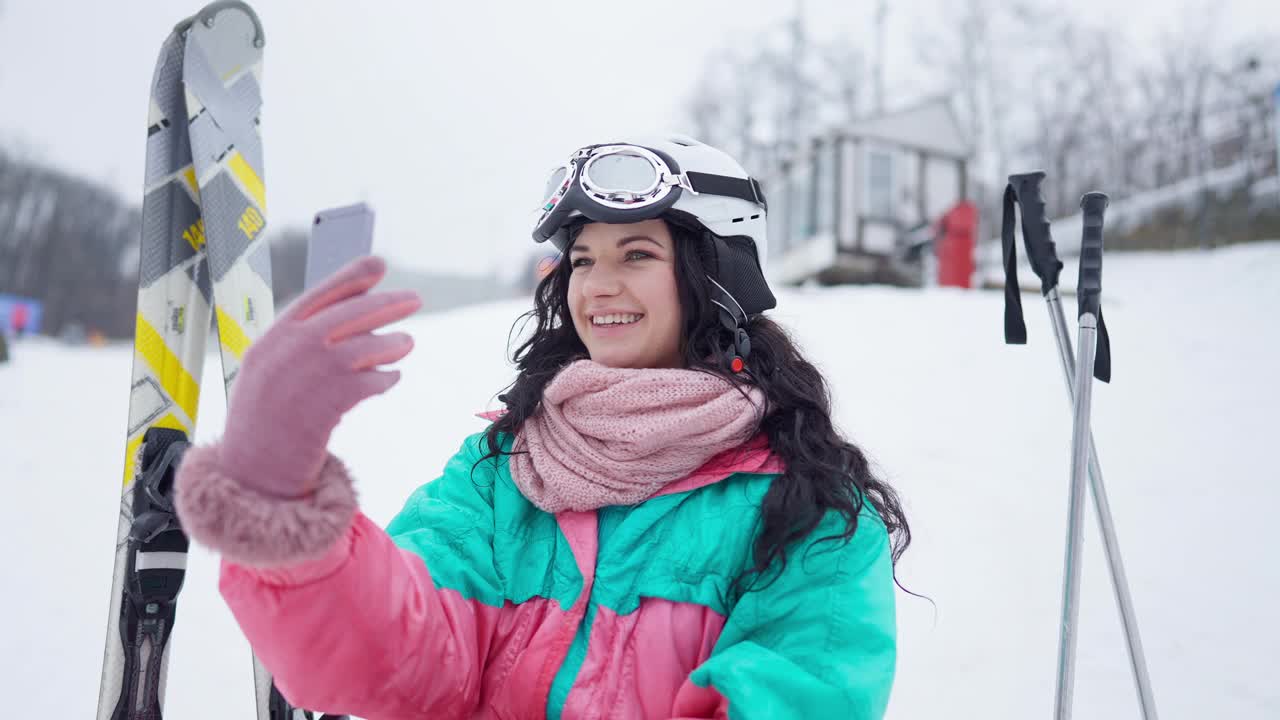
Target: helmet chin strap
x=734, y=319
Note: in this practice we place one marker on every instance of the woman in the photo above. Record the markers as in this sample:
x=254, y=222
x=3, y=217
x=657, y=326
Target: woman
x=663, y=523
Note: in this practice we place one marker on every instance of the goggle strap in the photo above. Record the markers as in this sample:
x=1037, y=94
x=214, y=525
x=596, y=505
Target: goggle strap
x=744, y=189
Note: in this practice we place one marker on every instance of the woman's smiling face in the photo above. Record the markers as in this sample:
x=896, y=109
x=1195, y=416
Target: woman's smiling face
x=623, y=295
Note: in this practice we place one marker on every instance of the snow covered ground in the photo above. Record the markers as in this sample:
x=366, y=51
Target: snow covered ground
x=975, y=434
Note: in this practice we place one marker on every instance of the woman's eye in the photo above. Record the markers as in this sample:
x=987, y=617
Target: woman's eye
x=632, y=255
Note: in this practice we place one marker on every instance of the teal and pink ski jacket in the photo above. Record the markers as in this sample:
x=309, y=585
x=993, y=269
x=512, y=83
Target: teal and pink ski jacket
x=473, y=603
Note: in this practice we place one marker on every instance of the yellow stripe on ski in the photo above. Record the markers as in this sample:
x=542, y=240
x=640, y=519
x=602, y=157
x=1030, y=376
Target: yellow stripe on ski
x=189, y=179
x=248, y=178
x=170, y=421
x=231, y=334
x=167, y=368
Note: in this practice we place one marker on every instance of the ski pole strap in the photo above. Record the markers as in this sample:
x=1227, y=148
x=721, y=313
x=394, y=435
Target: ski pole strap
x=1015, y=328
x=1023, y=191
x=1102, y=357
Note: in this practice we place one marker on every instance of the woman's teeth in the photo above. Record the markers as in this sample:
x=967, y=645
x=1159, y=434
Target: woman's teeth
x=626, y=319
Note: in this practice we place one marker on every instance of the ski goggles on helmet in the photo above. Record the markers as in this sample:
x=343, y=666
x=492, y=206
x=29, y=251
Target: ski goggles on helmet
x=625, y=183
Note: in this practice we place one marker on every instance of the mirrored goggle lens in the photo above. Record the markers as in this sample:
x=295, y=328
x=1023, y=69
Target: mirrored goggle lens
x=622, y=172
x=555, y=185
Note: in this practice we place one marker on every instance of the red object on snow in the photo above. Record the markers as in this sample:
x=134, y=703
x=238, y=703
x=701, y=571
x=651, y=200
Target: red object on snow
x=955, y=245
x=18, y=318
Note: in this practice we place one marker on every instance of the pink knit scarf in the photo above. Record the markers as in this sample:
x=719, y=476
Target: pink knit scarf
x=617, y=436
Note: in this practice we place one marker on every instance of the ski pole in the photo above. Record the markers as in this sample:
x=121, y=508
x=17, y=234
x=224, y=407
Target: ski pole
x=1024, y=192
x=1088, y=298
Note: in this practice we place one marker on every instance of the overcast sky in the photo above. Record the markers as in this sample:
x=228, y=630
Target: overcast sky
x=444, y=116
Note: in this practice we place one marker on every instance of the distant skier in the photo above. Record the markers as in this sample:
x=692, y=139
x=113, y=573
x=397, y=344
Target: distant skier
x=662, y=523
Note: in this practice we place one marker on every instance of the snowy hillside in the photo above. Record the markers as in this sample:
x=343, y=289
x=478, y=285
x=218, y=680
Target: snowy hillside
x=975, y=434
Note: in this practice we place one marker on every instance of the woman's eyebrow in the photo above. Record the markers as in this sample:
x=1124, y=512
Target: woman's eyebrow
x=577, y=247
x=637, y=238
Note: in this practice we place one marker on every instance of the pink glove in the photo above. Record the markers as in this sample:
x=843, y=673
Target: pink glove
x=316, y=362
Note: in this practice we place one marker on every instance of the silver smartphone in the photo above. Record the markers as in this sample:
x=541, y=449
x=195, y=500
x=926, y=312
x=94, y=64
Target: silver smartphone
x=338, y=236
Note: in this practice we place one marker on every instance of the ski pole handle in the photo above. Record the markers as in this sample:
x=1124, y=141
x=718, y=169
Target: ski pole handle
x=1089, y=289
x=1041, y=253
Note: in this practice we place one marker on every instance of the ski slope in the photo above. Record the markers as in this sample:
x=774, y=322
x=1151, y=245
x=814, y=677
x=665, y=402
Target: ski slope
x=975, y=434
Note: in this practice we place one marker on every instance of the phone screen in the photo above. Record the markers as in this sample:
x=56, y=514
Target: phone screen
x=338, y=236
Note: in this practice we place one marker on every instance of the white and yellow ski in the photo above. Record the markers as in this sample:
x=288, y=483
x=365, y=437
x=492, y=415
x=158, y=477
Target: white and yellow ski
x=203, y=255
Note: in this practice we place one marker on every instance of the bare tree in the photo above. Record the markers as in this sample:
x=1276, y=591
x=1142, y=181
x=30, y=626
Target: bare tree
x=758, y=101
x=1035, y=87
x=62, y=240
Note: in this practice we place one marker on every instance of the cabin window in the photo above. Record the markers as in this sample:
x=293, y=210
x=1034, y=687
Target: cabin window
x=824, y=186
x=800, y=205
x=880, y=179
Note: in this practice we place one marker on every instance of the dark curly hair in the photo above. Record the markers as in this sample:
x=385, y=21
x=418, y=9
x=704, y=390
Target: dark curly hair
x=824, y=471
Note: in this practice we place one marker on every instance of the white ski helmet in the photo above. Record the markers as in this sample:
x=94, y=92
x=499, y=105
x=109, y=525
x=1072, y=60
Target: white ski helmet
x=677, y=178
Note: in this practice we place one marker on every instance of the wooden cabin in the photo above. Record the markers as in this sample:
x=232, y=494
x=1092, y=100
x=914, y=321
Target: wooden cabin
x=854, y=204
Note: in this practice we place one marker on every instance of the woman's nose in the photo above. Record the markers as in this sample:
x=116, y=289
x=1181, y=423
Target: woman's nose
x=602, y=280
